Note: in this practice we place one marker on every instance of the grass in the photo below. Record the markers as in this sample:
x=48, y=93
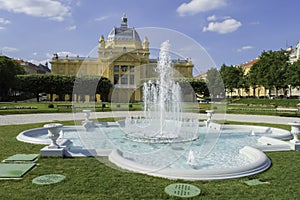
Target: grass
x=266, y=102
x=88, y=178
x=235, y=106
x=62, y=107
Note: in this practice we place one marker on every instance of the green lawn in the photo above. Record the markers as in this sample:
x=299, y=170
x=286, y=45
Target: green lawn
x=65, y=107
x=87, y=178
x=236, y=106
x=266, y=102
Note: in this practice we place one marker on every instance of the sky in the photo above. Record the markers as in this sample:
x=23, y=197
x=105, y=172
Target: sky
x=230, y=32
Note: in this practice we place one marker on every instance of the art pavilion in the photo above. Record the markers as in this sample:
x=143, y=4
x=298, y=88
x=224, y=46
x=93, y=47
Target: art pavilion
x=123, y=58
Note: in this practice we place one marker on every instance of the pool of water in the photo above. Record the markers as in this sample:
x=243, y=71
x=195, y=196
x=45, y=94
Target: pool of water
x=213, y=151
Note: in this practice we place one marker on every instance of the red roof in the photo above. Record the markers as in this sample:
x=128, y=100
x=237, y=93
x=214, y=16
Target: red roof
x=250, y=63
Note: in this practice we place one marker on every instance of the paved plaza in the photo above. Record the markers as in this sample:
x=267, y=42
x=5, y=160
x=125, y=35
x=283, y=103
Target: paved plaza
x=53, y=117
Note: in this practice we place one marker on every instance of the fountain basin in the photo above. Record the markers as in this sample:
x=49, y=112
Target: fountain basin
x=259, y=163
x=236, y=158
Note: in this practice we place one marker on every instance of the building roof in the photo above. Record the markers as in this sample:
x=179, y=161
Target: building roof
x=201, y=75
x=249, y=63
x=123, y=32
x=31, y=68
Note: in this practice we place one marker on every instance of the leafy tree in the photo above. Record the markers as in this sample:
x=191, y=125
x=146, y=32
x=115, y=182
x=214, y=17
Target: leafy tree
x=50, y=85
x=232, y=77
x=215, y=83
x=199, y=86
x=193, y=86
x=253, y=77
x=62, y=85
x=293, y=75
x=245, y=83
x=68, y=85
x=8, y=72
x=270, y=70
x=58, y=84
x=103, y=88
x=92, y=85
x=33, y=83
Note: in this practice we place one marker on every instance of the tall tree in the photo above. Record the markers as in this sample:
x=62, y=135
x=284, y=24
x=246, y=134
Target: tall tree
x=293, y=76
x=103, y=88
x=232, y=77
x=270, y=70
x=215, y=84
x=33, y=83
x=8, y=72
x=92, y=85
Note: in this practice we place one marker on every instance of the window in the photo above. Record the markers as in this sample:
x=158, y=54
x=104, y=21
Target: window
x=116, y=79
x=131, y=79
x=124, y=68
x=124, y=79
x=131, y=68
x=116, y=68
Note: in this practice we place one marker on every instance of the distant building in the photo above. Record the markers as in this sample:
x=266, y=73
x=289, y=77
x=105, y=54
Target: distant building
x=257, y=91
x=201, y=75
x=260, y=91
x=294, y=52
x=31, y=68
x=123, y=58
x=294, y=56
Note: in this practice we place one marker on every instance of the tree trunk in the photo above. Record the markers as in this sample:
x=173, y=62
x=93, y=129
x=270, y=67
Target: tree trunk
x=37, y=97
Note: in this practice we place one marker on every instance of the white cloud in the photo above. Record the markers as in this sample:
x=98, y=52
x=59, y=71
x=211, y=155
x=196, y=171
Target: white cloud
x=4, y=21
x=101, y=18
x=215, y=18
x=65, y=53
x=212, y=18
x=71, y=28
x=226, y=26
x=197, y=6
x=2, y=28
x=244, y=48
x=37, y=62
x=9, y=49
x=51, y=9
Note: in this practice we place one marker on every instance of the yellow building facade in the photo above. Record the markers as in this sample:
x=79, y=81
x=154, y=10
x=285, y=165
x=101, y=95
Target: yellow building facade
x=258, y=91
x=124, y=59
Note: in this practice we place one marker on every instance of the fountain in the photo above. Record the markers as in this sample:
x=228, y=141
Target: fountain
x=54, y=149
x=53, y=134
x=295, y=131
x=87, y=124
x=191, y=158
x=162, y=120
x=165, y=141
x=209, y=116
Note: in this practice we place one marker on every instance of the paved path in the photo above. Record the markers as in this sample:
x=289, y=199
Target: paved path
x=52, y=117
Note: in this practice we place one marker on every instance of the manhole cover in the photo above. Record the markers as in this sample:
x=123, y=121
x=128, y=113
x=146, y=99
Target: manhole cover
x=48, y=179
x=182, y=190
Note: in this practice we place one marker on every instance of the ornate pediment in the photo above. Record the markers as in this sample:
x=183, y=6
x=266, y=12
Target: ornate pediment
x=127, y=58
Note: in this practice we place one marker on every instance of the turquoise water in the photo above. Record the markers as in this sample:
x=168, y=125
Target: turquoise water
x=224, y=151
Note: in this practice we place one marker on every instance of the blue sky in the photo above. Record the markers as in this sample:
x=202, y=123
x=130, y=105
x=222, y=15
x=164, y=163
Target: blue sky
x=231, y=31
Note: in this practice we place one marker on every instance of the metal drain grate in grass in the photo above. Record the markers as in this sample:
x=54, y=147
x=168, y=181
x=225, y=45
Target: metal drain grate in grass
x=255, y=182
x=22, y=158
x=182, y=190
x=8, y=171
x=48, y=179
